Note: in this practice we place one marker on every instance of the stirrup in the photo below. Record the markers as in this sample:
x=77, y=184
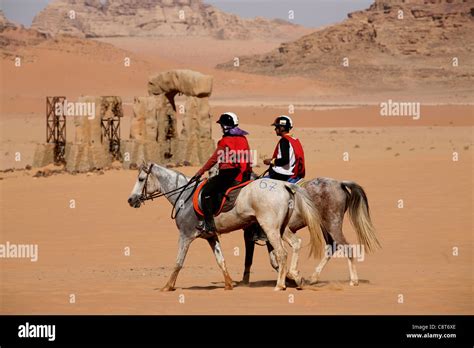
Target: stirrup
x=205, y=227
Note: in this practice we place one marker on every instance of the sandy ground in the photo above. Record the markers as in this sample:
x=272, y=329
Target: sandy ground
x=81, y=250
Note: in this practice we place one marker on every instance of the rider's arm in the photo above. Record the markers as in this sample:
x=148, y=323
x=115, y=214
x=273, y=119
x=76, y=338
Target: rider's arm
x=285, y=153
x=212, y=160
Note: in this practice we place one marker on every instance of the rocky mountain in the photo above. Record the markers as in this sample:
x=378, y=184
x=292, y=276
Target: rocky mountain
x=13, y=37
x=394, y=43
x=106, y=18
x=26, y=43
x=4, y=22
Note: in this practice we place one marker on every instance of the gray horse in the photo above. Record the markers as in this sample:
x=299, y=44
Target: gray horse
x=276, y=206
x=332, y=199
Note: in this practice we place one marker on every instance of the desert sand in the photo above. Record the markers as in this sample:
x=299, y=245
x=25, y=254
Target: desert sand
x=81, y=250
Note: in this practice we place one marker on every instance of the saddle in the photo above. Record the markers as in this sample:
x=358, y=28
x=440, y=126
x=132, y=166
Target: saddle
x=227, y=200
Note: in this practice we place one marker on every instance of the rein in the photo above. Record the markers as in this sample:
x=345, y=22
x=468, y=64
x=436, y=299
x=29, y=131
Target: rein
x=145, y=196
x=261, y=175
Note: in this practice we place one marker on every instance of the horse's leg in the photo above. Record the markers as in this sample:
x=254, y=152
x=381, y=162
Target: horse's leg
x=328, y=252
x=183, y=247
x=271, y=254
x=338, y=238
x=216, y=247
x=341, y=240
x=249, y=251
x=315, y=276
x=352, y=271
x=295, y=243
x=273, y=235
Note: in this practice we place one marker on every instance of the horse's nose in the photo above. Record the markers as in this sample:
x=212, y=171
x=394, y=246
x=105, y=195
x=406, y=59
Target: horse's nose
x=129, y=200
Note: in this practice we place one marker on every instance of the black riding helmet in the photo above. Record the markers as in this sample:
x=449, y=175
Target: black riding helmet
x=283, y=121
x=228, y=119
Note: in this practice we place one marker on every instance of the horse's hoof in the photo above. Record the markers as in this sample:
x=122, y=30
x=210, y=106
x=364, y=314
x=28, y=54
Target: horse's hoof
x=279, y=288
x=300, y=283
x=354, y=283
x=228, y=287
x=167, y=288
x=313, y=280
x=244, y=283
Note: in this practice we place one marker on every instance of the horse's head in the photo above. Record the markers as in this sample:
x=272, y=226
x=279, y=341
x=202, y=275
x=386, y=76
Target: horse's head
x=146, y=184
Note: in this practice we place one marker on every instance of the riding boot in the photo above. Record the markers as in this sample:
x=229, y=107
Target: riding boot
x=208, y=224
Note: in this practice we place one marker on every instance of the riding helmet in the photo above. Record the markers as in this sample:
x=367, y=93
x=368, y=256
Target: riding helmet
x=228, y=119
x=283, y=121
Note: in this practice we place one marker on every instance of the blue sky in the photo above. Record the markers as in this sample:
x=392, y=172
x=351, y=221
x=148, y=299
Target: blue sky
x=311, y=13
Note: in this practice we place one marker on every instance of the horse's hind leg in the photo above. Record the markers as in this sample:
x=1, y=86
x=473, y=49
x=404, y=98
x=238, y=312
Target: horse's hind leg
x=183, y=247
x=341, y=240
x=271, y=254
x=216, y=247
x=352, y=271
x=295, y=243
x=275, y=240
x=336, y=239
x=319, y=268
x=327, y=254
x=249, y=251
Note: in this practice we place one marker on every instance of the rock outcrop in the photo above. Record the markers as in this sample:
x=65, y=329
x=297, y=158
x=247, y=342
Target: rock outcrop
x=153, y=130
x=13, y=37
x=88, y=151
x=393, y=44
x=195, y=141
x=4, y=22
x=105, y=18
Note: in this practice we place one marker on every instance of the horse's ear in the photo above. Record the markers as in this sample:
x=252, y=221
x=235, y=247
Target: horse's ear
x=143, y=165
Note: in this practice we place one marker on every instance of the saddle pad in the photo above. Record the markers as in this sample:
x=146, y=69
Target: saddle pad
x=227, y=203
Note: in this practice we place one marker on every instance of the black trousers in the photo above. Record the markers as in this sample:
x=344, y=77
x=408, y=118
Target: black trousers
x=216, y=187
x=278, y=176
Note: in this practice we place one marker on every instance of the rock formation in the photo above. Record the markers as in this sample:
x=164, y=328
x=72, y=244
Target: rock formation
x=4, y=22
x=195, y=141
x=105, y=18
x=393, y=44
x=153, y=131
x=88, y=151
x=13, y=37
x=91, y=148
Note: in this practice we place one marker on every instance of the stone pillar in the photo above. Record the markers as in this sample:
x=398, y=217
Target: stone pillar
x=196, y=138
x=194, y=145
x=88, y=152
x=152, y=132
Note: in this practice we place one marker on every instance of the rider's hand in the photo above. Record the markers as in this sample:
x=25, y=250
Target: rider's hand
x=267, y=161
x=196, y=176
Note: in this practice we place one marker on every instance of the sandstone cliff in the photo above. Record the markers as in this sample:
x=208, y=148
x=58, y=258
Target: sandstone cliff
x=394, y=44
x=104, y=18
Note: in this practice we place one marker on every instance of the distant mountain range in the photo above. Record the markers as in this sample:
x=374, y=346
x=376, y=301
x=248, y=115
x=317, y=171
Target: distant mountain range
x=393, y=44
x=100, y=18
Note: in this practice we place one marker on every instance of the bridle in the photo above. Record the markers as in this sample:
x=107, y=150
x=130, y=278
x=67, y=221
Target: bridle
x=145, y=196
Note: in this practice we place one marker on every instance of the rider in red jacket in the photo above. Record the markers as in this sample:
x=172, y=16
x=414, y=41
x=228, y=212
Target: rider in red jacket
x=287, y=162
x=233, y=156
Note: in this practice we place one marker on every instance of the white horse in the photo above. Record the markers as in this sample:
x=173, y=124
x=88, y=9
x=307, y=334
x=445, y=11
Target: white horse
x=275, y=205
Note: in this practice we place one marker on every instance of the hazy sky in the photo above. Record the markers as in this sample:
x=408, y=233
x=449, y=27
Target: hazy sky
x=311, y=13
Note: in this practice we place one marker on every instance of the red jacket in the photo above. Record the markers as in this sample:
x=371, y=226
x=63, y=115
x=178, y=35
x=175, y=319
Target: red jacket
x=299, y=170
x=232, y=151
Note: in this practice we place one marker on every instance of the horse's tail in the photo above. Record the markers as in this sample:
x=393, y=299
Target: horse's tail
x=312, y=219
x=359, y=213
